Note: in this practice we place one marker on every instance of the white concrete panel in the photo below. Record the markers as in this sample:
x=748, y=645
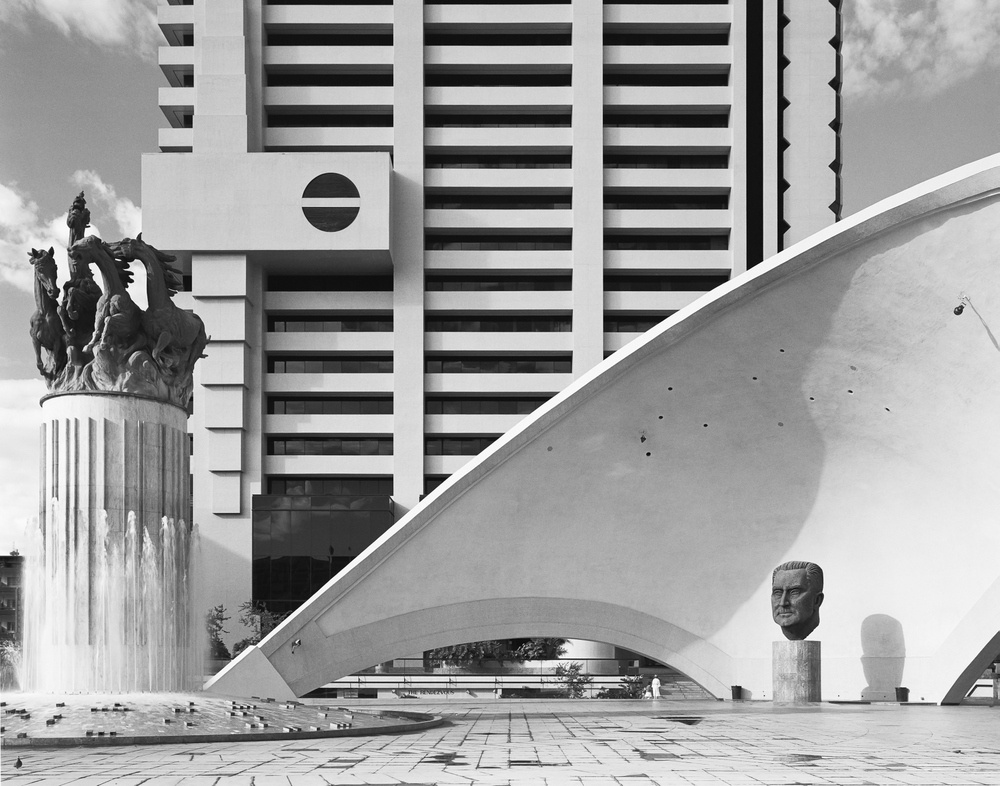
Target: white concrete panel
x=360, y=138
x=328, y=383
x=225, y=450
x=498, y=343
x=254, y=203
x=693, y=140
x=669, y=16
x=328, y=465
x=330, y=342
x=491, y=180
x=324, y=98
x=718, y=220
x=330, y=302
x=513, y=96
x=488, y=219
x=717, y=97
x=654, y=180
x=648, y=302
x=476, y=260
x=226, y=496
x=554, y=302
x=678, y=261
x=539, y=139
x=521, y=15
x=223, y=406
x=470, y=424
x=227, y=364
x=541, y=384
x=667, y=55
x=370, y=425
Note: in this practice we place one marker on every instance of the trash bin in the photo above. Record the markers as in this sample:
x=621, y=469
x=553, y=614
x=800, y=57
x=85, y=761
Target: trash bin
x=902, y=694
x=737, y=692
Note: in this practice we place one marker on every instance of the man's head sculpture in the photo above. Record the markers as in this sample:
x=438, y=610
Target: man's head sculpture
x=796, y=595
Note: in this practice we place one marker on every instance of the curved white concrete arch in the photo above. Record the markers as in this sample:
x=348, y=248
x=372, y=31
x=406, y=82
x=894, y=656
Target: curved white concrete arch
x=828, y=405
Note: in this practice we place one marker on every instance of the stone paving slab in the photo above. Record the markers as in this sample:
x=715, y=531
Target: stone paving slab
x=31, y=720
x=574, y=743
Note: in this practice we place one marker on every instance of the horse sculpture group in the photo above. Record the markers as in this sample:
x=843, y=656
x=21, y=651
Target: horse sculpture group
x=97, y=338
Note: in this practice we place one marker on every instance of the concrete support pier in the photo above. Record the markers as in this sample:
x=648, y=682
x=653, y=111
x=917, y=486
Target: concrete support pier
x=795, y=667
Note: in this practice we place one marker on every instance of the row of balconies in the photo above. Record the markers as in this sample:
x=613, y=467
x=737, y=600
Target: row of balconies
x=354, y=465
x=370, y=98
x=703, y=140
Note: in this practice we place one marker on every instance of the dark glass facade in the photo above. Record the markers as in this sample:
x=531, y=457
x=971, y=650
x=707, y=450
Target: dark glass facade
x=302, y=541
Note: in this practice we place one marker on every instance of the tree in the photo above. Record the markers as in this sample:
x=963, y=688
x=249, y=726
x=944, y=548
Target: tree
x=538, y=649
x=573, y=679
x=261, y=621
x=214, y=621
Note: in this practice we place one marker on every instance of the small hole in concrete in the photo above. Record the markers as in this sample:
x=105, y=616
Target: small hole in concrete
x=850, y=391
x=812, y=398
x=549, y=448
x=755, y=377
x=888, y=410
x=854, y=368
x=780, y=423
x=649, y=454
x=781, y=350
x=660, y=418
x=669, y=388
x=704, y=425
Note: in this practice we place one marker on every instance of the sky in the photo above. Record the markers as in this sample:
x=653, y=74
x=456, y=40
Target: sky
x=78, y=108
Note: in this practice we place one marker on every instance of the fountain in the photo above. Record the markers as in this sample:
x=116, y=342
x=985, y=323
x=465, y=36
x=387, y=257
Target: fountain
x=108, y=589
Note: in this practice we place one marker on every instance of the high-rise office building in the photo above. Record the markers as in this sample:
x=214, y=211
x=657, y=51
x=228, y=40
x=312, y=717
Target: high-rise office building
x=408, y=224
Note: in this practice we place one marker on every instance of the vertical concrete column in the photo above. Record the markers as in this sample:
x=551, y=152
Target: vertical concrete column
x=795, y=667
x=226, y=422
x=739, y=188
x=220, y=78
x=408, y=252
x=811, y=162
x=771, y=131
x=588, y=184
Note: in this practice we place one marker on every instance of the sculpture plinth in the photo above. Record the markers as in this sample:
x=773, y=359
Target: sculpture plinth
x=795, y=669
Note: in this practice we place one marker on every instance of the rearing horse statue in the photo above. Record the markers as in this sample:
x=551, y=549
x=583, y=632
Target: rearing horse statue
x=177, y=336
x=46, y=329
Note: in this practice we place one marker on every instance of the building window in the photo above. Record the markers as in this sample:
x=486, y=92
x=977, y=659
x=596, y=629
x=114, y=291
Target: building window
x=331, y=324
x=483, y=406
x=486, y=161
x=495, y=365
x=490, y=120
x=327, y=365
x=466, y=38
x=658, y=38
x=329, y=446
x=286, y=283
x=637, y=323
x=329, y=120
x=666, y=201
x=330, y=78
x=616, y=77
x=431, y=482
x=499, y=283
x=619, y=160
x=634, y=242
x=457, y=446
x=453, y=78
x=345, y=485
x=450, y=242
x=664, y=283
x=329, y=39
x=300, y=543
x=458, y=201
x=491, y=324
x=666, y=120
x=288, y=405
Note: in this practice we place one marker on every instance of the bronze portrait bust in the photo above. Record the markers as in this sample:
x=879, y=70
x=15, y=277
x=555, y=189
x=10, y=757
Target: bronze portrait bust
x=796, y=595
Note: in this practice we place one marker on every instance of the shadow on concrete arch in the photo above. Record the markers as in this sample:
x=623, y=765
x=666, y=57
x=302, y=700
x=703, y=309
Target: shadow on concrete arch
x=883, y=657
x=828, y=406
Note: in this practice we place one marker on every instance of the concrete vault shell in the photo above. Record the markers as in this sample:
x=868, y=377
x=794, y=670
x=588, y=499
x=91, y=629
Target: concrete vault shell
x=828, y=405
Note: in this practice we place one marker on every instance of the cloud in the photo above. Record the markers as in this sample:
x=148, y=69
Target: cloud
x=127, y=215
x=23, y=226
x=131, y=23
x=917, y=46
x=20, y=416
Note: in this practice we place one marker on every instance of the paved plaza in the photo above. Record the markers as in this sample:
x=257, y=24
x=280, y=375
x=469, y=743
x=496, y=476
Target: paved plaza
x=589, y=742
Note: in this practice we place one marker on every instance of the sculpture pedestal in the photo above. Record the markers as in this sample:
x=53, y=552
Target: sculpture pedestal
x=795, y=669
